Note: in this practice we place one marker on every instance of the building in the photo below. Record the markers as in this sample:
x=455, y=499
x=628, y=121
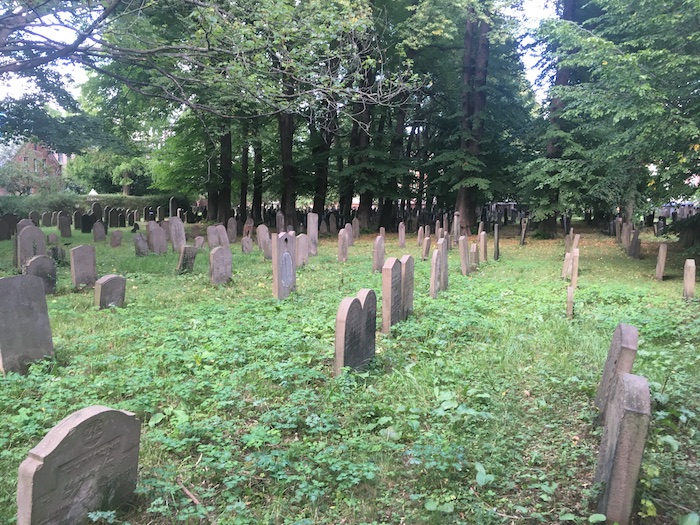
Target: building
x=35, y=166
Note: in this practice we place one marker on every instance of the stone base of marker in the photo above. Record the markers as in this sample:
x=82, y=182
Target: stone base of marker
x=86, y=463
x=355, y=331
x=110, y=291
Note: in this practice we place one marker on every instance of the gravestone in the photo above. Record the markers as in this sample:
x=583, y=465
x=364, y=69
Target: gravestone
x=131, y=218
x=88, y=462
x=382, y=232
x=480, y=230
x=267, y=249
x=444, y=272
x=438, y=226
x=464, y=262
x=46, y=219
x=565, y=269
x=343, y=245
x=402, y=235
x=574, y=267
x=167, y=228
x=21, y=224
x=570, y=302
x=446, y=222
x=96, y=209
x=113, y=219
x=54, y=218
x=435, y=271
x=25, y=331
x=355, y=331
x=440, y=233
x=140, y=245
x=262, y=234
x=456, y=227
x=199, y=242
x=621, y=355
x=523, y=230
x=622, y=447
x=232, y=230
x=496, y=244
x=407, y=285
x=12, y=220
x=421, y=236
x=634, y=247
x=157, y=242
x=172, y=207
x=349, y=234
x=52, y=238
x=29, y=242
x=220, y=265
x=121, y=219
x=483, y=249
x=246, y=244
x=160, y=214
x=98, y=232
x=284, y=270
x=323, y=228
x=248, y=227
x=86, y=223
x=425, y=251
x=115, y=239
x=279, y=222
x=378, y=254
x=355, y=229
x=302, y=250
x=661, y=261
x=689, y=279
x=34, y=217
x=474, y=256
x=626, y=235
x=312, y=229
x=333, y=224
x=177, y=233
x=78, y=220
x=110, y=291
x=5, y=232
x=223, y=235
x=44, y=267
x=83, y=266
x=392, y=309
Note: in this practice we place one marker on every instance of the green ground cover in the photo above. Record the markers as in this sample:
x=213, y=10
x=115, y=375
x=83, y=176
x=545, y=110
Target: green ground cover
x=477, y=409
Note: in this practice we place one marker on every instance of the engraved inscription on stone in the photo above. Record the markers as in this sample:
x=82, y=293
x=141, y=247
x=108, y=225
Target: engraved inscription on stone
x=287, y=270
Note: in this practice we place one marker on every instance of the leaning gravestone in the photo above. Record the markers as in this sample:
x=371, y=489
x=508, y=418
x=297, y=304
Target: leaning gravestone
x=220, y=265
x=421, y=236
x=661, y=261
x=54, y=218
x=140, y=245
x=86, y=463
x=464, y=255
x=442, y=245
x=333, y=224
x=425, y=252
x=355, y=229
x=378, y=254
x=157, y=242
x=44, y=267
x=110, y=290
x=115, y=239
x=25, y=332
x=407, y=286
x=185, y=262
x=246, y=245
x=52, y=238
x=172, y=207
x=355, y=331
x=343, y=245
x=30, y=242
x=199, y=242
x=284, y=276
x=231, y=230
x=392, y=310
x=177, y=233
x=623, y=350
x=312, y=229
x=435, y=270
x=302, y=250
x=98, y=232
x=622, y=446
x=323, y=228
x=83, y=266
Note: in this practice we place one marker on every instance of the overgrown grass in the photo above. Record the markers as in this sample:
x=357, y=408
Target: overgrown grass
x=477, y=409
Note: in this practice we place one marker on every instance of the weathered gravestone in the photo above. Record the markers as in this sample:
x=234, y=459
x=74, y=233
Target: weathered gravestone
x=46, y=219
x=483, y=249
x=312, y=229
x=140, y=245
x=223, y=235
x=13, y=220
x=343, y=245
x=78, y=220
x=166, y=228
x=425, y=251
x=284, y=277
x=199, y=242
x=333, y=224
x=160, y=214
x=355, y=229
x=570, y=302
x=177, y=233
x=574, y=267
x=456, y=227
x=464, y=262
x=5, y=233
x=115, y=239
x=302, y=250
x=83, y=266
x=54, y=218
x=407, y=285
x=44, y=267
x=623, y=350
x=96, y=209
x=21, y=224
x=689, y=279
x=496, y=243
x=25, y=332
x=29, y=242
x=157, y=242
x=622, y=446
x=442, y=245
x=172, y=207
x=52, y=238
x=110, y=290
x=349, y=234
x=378, y=254
x=86, y=463
x=248, y=227
x=392, y=309
x=420, y=236
x=98, y=232
x=232, y=230
x=185, y=262
x=279, y=222
x=34, y=217
x=661, y=261
x=262, y=235
x=246, y=245
x=634, y=249
x=220, y=265
x=382, y=232
x=121, y=219
x=113, y=218
x=323, y=228
x=402, y=235
x=435, y=271
x=355, y=331
x=86, y=223
x=474, y=256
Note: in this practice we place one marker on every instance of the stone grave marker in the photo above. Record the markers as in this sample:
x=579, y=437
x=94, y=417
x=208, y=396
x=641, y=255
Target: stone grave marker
x=333, y=224
x=618, y=229
x=496, y=241
x=232, y=230
x=284, y=271
x=312, y=229
x=246, y=244
x=140, y=245
x=54, y=218
x=113, y=218
x=262, y=234
x=25, y=331
x=474, y=256
x=349, y=234
x=323, y=228
x=88, y=462
x=483, y=250
x=223, y=235
x=622, y=446
x=634, y=245
x=172, y=207
x=121, y=219
x=378, y=254
x=425, y=252
x=46, y=219
x=302, y=250
x=407, y=285
x=78, y=220
x=5, y=233
x=523, y=230
x=160, y=214
x=570, y=302
x=177, y=233
x=342, y=245
x=280, y=222
x=382, y=232
x=167, y=228
x=464, y=255
x=248, y=227
x=392, y=309
x=157, y=242
x=421, y=236
x=355, y=229
x=689, y=279
x=110, y=291
x=34, y=217
x=456, y=227
x=355, y=331
x=12, y=220
x=438, y=226
x=86, y=223
x=435, y=271
x=29, y=242
x=83, y=266
x=444, y=272
x=574, y=267
x=566, y=266
x=131, y=218
x=480, y=230
x=21, y=224
x=44, y=267
x=199, y=242
x=52, y=238
x=220, y=265
x=661, y=261
x=440, y=233
x=620, y=359
x=446, y=222
x=98, y=232
x=115, y=239
x=402, y=235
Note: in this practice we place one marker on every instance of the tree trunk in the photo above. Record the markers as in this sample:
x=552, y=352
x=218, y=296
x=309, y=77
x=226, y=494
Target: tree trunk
x=364, y=212
x=225, y=172
x=321, y=146
x=257, y=181
x=245, y=155
x=285, y=123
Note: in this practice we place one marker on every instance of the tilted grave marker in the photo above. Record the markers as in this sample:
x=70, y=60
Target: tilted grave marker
x=30, y=242
x=392, y=309
x=378, y=254
x=157, y=242
x=185, y=262
x=232, y=230
x=355, y=229
x=661, y=261
x=177, y=233
x=620, y=359
x=44, y=267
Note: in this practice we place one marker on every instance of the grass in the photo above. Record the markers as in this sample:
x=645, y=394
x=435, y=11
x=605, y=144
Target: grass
x=477, y=409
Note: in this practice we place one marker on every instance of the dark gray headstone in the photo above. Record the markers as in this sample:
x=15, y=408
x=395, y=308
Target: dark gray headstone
x=185, y=262
x=355, y=331
x=110, y=290
x=78, y=220
x=30, y=242
x=115, y=239
x=46, y=219
x=83, y=265
x=140, y=245
x=98, y=232
x=64, y=226
x=5, y=233
x=177, y=233
x=44, y=267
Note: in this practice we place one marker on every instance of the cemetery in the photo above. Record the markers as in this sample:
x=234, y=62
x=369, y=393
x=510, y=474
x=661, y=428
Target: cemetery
x=351, y=377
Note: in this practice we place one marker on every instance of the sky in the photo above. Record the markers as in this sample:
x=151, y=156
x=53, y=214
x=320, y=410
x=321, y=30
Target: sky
x=534, y=12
